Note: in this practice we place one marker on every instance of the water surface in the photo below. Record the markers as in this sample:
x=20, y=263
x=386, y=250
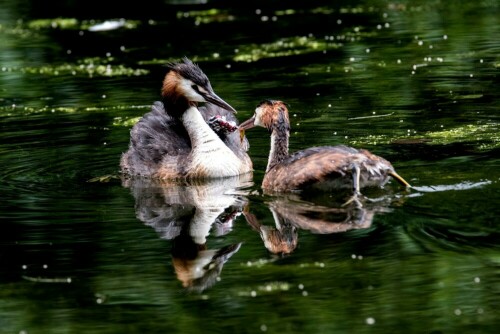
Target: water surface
x=84, y=250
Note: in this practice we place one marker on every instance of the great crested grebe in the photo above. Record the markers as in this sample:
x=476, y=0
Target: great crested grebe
x=174, y=139
x=324, y=167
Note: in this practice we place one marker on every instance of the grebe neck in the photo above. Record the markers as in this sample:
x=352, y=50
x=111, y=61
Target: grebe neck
x=210, y=157
x=198, y=130
x=279, y=146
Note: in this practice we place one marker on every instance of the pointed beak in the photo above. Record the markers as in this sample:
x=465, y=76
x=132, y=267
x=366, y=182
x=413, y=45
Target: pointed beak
x=213, y=98
x=248, y=124
x=400, y=180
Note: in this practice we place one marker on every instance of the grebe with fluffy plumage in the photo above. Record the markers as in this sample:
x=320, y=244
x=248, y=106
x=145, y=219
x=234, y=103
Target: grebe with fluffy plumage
x=176, y=139
x=324, y=167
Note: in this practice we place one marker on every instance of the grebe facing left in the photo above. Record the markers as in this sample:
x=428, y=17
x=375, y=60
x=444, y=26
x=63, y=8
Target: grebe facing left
x=324, y=167
x=173, y=140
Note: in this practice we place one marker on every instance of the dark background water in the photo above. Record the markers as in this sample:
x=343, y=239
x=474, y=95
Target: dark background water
x=413, y=81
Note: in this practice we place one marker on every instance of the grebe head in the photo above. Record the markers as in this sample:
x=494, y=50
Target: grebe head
x=186, y=80
x=269, y=114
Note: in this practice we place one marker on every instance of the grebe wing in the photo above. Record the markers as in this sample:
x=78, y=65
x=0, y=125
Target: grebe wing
x=158, y=134
x=309, y=166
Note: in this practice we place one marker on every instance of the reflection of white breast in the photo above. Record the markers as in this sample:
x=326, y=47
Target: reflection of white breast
x=210, y=200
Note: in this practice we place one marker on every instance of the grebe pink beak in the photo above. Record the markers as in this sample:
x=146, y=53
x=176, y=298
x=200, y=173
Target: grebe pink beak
x=213, y=98
x=248, y=124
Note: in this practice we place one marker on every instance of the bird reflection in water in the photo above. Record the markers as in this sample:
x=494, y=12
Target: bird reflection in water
x=186, y=213
x=291, y=214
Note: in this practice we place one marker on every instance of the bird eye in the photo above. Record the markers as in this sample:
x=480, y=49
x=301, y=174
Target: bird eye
x=196, y=88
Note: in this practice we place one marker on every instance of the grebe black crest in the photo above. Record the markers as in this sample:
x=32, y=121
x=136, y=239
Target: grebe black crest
x=324, y=167
x=173, y=140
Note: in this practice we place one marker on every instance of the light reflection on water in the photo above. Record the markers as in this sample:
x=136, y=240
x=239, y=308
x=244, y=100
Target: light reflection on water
x=223, y=258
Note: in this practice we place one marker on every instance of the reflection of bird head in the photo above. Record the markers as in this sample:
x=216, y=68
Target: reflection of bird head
x=279, y=241
x=198, y=268
x=282, y=239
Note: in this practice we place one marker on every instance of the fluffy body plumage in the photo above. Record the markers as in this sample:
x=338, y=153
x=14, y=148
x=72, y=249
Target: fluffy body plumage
x=323, y=167
x=173, y=140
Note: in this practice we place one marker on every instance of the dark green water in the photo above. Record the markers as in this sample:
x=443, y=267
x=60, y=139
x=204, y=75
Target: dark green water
x=415, y=82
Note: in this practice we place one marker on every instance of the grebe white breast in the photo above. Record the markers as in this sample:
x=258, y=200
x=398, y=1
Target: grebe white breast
x=324, y=167
x=178, y=139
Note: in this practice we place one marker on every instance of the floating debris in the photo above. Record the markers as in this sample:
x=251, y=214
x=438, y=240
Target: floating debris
x=128, y=122
x=104, y=178
x=284, y=47
x=92, y=67
x=74, y=24
x=56, y=23
x=108, y=25
x=206, y=16
x=47, y=280
x=486, y=135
